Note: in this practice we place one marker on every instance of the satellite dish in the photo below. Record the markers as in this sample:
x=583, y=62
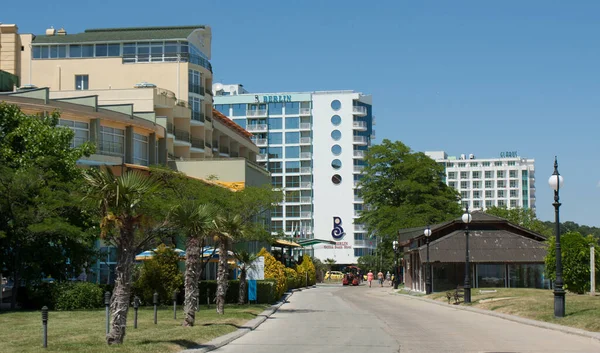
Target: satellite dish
x=218, y=87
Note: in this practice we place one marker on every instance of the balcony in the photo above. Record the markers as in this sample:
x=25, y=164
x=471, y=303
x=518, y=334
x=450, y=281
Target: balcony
x=261, y=157
x=358, y=199
x=360, y=228
x=359, y=125
x=197, y=142
x=359, y=154
x=356, y=184
x=305, y=140
x=260, y=142
x=170, y=128
x=305, y=199
x=224, y=150
x=195, y=88
x=257, y=127
x=360, y=140
x=357, y=213
x=360, y=243
x=197, y=116
x=305, y=155
x=305, y=185
x=305, y=126
x=305, y=214
x=305, y=170
x=359, y=168
x=207, y=144
x=373, y=121
x=183, y=137
x=208, y=91
x=304, y=111
x=234, y=154
x=359, y=110
x=256, y=112
x=373, y=135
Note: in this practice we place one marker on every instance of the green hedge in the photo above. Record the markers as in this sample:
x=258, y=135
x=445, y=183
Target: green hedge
x=265, y=292
x=61, y=296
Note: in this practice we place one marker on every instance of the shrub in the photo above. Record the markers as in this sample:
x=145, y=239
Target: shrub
x=79, y=295
x=307, y=267
x=160, y=274
x=575, y=251
x=34, y=297
x=293, y=280
x=274, y=270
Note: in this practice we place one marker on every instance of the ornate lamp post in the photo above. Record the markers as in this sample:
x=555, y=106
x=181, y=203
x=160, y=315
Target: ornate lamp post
x=466, y=218
x=556, y=183
x=396, y=277
x=427, y=234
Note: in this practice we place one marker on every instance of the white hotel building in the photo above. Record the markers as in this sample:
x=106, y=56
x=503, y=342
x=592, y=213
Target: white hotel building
x=313, y=143
x=508, y=181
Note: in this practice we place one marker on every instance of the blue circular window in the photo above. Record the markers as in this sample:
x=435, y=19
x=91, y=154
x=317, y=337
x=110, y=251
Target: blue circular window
x=336, y=164
x=336, y=105
x=336, y=135
x=336, y=150
x=336, y=120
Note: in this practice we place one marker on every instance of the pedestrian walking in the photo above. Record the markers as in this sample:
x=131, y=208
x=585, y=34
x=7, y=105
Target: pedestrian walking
x=388, y=277
x=380, y=278
x=370, y=278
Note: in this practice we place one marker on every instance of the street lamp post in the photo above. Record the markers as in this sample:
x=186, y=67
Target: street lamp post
x=396, y=277
x=466, y=218
x=556, y=183
x=427, y=234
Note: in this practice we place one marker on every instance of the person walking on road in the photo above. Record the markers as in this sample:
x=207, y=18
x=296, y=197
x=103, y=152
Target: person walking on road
x=388, y=277
x=380, y=278
x=370, y=278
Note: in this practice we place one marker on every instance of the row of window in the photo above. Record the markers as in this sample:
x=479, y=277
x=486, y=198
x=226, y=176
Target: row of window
x=290, y=152
x=477, y=204
x=489, y=174
x=276, y=138
x=489, y=194
x=272, y=123
x=480, y=164
x=61, y=51
x=290, y=167
x=289, y=108
x=300, y=227
x=291, y=181
x=489, y=184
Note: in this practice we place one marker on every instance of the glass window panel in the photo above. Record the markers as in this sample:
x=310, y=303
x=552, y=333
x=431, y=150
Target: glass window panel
x=101, y=49
x=277, y=181
x=275, y=138
x=129, y=49
x=292, y=123
x=275, y=123
x=37, y=52
x=491, y=275
x=292, y=108
x=275, y=152
x=74, y=51
x=114, y=49
x=292, y=166
x=87, y=51
x=275, y=108
x=239, y=109
x=292, y=152
x=292, y=137
x=45, y=52
x=275, y=167
x=54, y=51
x=240, y=122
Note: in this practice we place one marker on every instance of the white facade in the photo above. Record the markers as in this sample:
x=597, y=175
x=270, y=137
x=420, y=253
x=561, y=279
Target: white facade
x=508, y=181
x=296, y=134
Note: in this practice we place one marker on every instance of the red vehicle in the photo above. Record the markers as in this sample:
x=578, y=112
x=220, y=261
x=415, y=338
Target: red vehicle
x=353, y=276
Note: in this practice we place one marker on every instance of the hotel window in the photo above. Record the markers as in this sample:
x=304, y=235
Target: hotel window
x=489, y=174
x=462, y=165
x=464, y=184
x=501, y=203
x=476, y=204
x=277, y=211
x=292, y=123
x=512, y=174
x=500, y=174
x=223, y=108
x=464, y=175
x=292, y=152
x=292, y=166
x=514, y=183
x=275, y=152
x=275, y=138
x=489, y=184
x=112, y=141
x=81, y=130
x=465, y=204
x=452, y=184
x=240, y=122
x=473, y=164
x=58, y=51
x=195, y=82
x=489, y=203
x=512, y=163
x=485, y=164
x=514, y=193
x=476, y=194
x=275, y=167
x=489, y=194
x=140, y=149
x=81, y=82
x=103, y=50
x=476, y=185
x=292, y=137
x=275, y=108
x=292, y=181
x=451, y=175
x=501, y=184
x=450, y=165
x=498, y=163
x=239, y=109
x=275, y=124
x=464, y=194
x=501, y=193
x=513, y=203
x=277, y=181
x=292, y=108
x=476, y=175
x=277, y=226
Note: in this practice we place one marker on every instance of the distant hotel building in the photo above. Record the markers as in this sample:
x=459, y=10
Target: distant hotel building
x=314, y=144
x=508, y=181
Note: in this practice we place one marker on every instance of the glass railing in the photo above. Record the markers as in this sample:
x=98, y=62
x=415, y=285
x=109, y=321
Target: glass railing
x=256, y=112
x=197, y=116
x=197, y=142
x=304, y=111
x=195, y=88
x=170, y=128
x=359, y=110
x=182, y=135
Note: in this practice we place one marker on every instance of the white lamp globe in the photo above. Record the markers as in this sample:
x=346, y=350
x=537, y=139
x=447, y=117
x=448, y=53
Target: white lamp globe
x=556, y=182
x=466, y=218
x=395, y=244
x=427, y=232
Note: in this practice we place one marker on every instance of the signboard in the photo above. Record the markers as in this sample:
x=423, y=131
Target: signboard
x=273, y=99
x=337, y=232
x=257, y=269
x=338, y=245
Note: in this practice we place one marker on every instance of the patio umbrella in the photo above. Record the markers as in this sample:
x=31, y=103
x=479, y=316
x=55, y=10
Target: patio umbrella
x=148, y=254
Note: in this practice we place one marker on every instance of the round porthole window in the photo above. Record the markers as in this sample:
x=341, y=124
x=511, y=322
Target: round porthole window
x=336, y=135
x=336, y=164
x=336, y=150
x=336, y=120
x=336, y=105
x=336, y=179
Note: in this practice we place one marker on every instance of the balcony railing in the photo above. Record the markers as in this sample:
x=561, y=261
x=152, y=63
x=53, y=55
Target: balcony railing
x=170, y=128
x=305, y=199
x=360, y=110
x=197, y=142
x=305, y=214
x=195, y=88
x=182, y=135
x=257, y=127
x=357, y=213
x=356, y=183
x=207, y=144
x=359, y=125
x=234, y=154
x=360, y=140
x=358, y=198
x=305, y=170
x=224, y=149
x=197, y=116
x=359, y=168
x=360, y=242
x=261, y=157
x=360, y=228
x=208, y=91
x=305, y=184
x=305, y=140
x=359, y=154
x=215, y=145
x=305, y=155
x=304, y=111
x=256, y=112
x=304, y=126
x=260, y=142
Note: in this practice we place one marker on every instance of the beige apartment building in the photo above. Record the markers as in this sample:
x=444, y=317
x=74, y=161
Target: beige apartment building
x=162, y=73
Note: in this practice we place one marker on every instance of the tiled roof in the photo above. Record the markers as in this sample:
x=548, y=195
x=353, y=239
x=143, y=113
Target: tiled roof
x=226, y=121
x=120, y=34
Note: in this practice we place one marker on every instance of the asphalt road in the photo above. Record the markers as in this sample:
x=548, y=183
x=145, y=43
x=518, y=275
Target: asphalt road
x=362, y=319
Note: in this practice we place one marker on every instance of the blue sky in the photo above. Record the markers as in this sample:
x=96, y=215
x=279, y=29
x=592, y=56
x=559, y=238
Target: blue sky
x=475, y=77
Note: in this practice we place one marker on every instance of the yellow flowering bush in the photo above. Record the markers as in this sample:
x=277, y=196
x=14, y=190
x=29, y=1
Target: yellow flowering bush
x=307, y=266
x=274, y=270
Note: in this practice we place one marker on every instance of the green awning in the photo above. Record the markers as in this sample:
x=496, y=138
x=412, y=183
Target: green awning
x=311, y=242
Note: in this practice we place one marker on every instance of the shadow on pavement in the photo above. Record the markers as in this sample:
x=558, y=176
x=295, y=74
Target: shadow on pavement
x=300, y=311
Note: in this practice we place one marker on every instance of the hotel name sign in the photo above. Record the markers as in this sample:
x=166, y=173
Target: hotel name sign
x=272, y=99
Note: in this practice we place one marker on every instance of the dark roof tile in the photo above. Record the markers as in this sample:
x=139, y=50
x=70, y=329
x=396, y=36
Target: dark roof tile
x=120, y=34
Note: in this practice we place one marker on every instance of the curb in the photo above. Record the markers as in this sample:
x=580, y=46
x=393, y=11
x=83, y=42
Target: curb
x=249, y=326
x=530, y=322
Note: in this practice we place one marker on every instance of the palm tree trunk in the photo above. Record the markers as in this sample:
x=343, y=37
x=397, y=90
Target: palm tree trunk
x=192, y=277
x=242, y=292
x=119, y=305
x=222, y=277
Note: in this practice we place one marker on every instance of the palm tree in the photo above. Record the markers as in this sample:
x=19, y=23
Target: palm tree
x=120, y=199
x=246, y=260
x=196, y=221
x=229, y=227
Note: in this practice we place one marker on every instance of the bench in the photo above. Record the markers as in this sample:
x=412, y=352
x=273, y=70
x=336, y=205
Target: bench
x=458, y=293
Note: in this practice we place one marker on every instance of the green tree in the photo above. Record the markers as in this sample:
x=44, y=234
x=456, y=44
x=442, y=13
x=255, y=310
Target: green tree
x=39, y=201
x=404, y=189
x=329, y=263
x=121, y=201
x=195, y=222
x=575, y=255
x=159, y=274
x=368, y=263
x=246, y=261
x=525, y=218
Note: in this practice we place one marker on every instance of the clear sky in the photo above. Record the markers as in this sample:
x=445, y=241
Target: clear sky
x=475, y=76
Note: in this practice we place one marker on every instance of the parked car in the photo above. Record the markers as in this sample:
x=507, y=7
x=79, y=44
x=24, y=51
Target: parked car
x=335, y=275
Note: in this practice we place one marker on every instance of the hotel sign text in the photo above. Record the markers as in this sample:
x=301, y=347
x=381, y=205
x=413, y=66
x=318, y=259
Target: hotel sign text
x=273, y=99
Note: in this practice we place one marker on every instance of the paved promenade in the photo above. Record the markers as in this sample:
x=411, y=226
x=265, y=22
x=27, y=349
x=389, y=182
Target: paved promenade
x=362, y=319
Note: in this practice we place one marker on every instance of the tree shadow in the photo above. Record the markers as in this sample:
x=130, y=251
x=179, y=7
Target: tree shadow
x=187, y=344
x=227, y=324
x=299, y=311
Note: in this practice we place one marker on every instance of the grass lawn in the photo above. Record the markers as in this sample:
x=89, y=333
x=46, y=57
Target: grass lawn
x=582, y=311
x=84, y=331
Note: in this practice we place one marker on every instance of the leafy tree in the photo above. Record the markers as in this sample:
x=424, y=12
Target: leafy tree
x=368, y=263
x=575, y=254
x=525, y=218
x=246, y=261
x=306, y=268
x=159, y=274
x=121, y=201
x=274, y=270
x=195, y=222
x=570, y=226
x=404, y=189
